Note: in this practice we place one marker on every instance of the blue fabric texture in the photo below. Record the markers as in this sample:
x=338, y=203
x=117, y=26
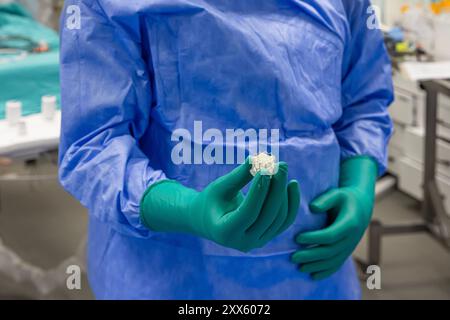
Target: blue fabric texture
x=134, y=72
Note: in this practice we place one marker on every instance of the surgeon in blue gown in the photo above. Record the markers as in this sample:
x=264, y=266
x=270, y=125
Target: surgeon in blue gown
x=133, y=72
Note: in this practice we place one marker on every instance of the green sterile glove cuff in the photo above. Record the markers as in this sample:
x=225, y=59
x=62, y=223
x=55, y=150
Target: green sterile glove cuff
x=174, y=198
x=350, y=210
x=221, y=212
x=361, y=173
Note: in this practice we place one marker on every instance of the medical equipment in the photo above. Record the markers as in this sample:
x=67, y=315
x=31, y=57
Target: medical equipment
x=263, y=163
x=422, y=180
x=30, y=84
x=442, y=36
x=21, y=128
x=29, y=60
x=427, y=25
x=30, y=135
x=13, y=111
x=22, y=43
x=48, y=107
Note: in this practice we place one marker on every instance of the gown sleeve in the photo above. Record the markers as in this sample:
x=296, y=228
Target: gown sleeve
x=106, y=101
x=365, y=126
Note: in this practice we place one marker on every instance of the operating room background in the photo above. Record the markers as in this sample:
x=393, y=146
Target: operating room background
x=45, y=226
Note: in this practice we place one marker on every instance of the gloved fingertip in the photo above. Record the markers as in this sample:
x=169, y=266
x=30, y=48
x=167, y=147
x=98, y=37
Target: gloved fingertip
x=294, y=191
x=265, y=177
x=302, y=239
x=246, y=165
x=294, y=257
x=283, y=165
x=299, y=239
x=303, y=269
x=298, y=259
x=316, y=207
x=262, y=180
x=280, y=168
x=293, y=183
x=325, y=202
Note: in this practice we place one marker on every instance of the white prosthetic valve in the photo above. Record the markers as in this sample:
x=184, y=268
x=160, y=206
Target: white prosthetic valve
x=264, y=163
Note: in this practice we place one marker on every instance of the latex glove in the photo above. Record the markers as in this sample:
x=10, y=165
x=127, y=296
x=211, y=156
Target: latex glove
x=350, y=210
x=221, y=213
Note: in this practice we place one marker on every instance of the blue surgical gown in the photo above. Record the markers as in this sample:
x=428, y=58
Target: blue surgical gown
x=135, y=72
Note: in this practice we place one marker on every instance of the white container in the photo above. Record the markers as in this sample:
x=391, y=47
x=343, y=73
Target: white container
x=443, y=132
x=410, y=181
x=398, y=137
x=22, y=128
x=414, y=149
x=395, y=154
x=407, y=108
x=444, y=110
x=13, y=111
x=48, y=107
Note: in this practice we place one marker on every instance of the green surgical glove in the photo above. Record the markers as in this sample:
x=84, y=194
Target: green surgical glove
x=221, y=212
x=350, y=211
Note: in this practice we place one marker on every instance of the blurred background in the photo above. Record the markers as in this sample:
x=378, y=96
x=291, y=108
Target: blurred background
x=42, y=228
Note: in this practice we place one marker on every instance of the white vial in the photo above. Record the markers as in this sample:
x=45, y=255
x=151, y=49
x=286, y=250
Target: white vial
x=48, y=107
x=13, y=111
x=21, y=128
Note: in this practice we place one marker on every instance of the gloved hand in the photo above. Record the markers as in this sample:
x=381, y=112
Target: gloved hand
x=350, y=211
x=221, y=213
